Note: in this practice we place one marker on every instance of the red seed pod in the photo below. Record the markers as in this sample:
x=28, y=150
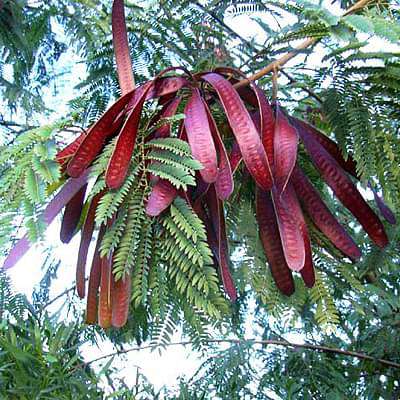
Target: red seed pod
x=121, y=157
x=216, y=210
x=322, y=217
x=291, y=236
x=244, y=130
x=72, y=214
x=307, y=272
x=121, y=47
x=162, y=195
x=285, y=150
x=344, y=189
x=224, y=183
x=121, y=296
x=330, y=146
x=271, y=241
x=348, y=165
x=87, y=232
x=200, y=136
x=105, y=305
x=94, y=282
x=95, y=138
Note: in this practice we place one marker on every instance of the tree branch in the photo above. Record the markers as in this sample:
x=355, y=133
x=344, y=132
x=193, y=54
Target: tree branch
x=297, y=50
x=224, y=25
x=271, y=342
x=309, y=91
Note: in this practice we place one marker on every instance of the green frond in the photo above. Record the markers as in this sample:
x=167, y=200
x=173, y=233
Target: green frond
x=176, y=146
x=179, y=177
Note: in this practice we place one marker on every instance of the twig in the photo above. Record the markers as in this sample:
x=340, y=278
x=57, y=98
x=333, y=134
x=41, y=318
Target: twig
x=310, y=92
x=223, y=24
x=297, y=50
x=307, y=346
x=59, y=296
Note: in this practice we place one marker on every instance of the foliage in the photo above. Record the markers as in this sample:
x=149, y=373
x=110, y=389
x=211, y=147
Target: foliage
x=352, y=95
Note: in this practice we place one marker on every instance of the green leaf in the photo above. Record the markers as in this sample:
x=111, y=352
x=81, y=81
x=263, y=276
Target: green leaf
x=359, y=23
x=34, y=187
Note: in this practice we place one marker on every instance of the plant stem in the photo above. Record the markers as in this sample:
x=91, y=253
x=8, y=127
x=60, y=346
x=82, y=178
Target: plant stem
x=297, y=50
x=271, y=342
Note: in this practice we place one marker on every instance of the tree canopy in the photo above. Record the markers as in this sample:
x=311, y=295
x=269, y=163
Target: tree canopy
x=337, y=69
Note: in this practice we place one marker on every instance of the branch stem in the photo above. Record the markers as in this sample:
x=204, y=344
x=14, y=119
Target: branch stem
x=296, y=51
x=270, y=342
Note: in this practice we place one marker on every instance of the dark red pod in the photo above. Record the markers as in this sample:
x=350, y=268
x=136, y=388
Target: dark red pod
x=200, y=137
x=94, y=282
x=216, y=211
x=329, y=145
x=322, y=217
x=162, y=195
x=244, y=130
x=285, y=150
x=87, y=232
x=271, y=241
x=224, y=183
x=105, y=296
x=344, y=189
x=121, y=47
x=348, y=165
x=121, y=296
x=95, y=138
x=292, y=202
x=121, y=157
x=72, y=214
x=289, y=230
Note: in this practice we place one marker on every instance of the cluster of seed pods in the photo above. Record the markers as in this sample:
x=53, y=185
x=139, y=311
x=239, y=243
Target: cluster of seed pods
x=266, y=139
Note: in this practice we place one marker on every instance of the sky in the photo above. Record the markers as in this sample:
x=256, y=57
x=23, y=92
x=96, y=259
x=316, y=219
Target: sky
x=161, y=369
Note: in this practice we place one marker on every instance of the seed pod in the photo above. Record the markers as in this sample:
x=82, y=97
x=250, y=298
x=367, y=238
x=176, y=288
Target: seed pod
x=72, y=214
x=200, y=136
x=291, y=236
x=162, y=195
x=322, y=217
x=105, y=306
x=285, y=150
x=292, y=202
x=244, y=130
x=95, y=138
x=121, y=48
x=216, y=210
x=121, y=296
x=270, y=239
x=94, y=281
x=344, y=189
x=224, y=183
x=87, y=232
x=121, y=157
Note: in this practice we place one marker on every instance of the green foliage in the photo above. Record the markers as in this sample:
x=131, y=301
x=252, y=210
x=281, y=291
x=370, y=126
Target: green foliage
x=27, y=172
x=352, y=96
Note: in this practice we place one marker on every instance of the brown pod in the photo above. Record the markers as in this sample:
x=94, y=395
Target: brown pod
x=121, y=296
x=105, y=306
